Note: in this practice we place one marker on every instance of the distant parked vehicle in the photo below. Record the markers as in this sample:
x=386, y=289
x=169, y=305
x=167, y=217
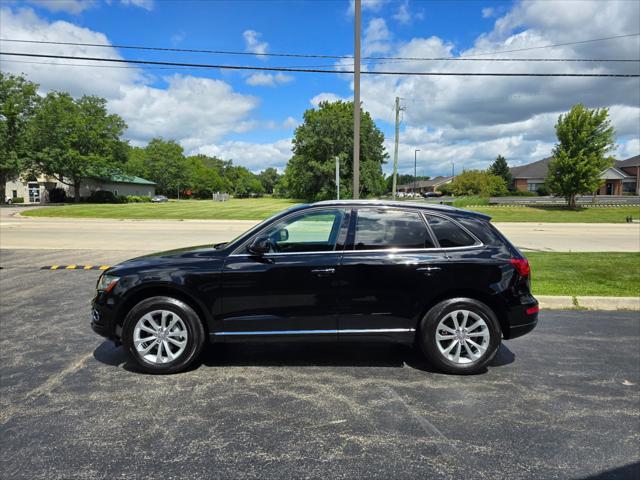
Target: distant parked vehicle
x=431, y=194
x=159, y=199
x=8, y=200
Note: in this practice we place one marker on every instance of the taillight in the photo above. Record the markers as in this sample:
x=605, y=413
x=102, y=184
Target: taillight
x=522, y=266
x=532, y=310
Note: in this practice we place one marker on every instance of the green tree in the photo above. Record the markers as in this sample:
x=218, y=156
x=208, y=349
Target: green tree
x=403, y=179
x=243, y=183
x=269, y=179
x=585, y=136
x=75, y=139
x=203, y=180
x=164, y=163
x=476, y=182
x=500, y=168
x=327, y=133
x=18, y=103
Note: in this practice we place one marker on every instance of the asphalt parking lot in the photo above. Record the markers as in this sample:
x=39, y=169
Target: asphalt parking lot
x=562, y=402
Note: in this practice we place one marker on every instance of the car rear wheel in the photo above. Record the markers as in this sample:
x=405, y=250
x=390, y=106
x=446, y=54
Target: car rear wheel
x=460, y=335
x=162, y=335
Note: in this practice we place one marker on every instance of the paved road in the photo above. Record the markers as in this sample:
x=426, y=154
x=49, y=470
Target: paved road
x=155, y=235
x=562, y=402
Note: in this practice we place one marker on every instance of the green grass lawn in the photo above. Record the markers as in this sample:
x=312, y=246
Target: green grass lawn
x=602, y=274
x=234, y=209
x=559, y=214
x=260, y=208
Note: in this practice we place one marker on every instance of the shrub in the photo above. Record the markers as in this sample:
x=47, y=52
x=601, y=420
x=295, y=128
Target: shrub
x=57, y=195
x=522, y=193
x=105, y=196
x=17, y=200
x=476, y=182
x=543, y=191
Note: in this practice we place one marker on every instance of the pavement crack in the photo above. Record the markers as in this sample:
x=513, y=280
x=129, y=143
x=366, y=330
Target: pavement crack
x=54, y=380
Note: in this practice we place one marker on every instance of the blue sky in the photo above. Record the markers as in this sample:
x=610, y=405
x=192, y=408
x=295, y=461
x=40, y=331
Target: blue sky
x=251, y=117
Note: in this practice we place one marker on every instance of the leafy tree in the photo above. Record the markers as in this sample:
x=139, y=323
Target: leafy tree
x=203, y=180
x=327, y=133
x=243, y=182
x=18, y=103
x=269, y=179
x=164, y=163
x=585, y=136
x=75, y=139
x=476, y=182
x=500, y=168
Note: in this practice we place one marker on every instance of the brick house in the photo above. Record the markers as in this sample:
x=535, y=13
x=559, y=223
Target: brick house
x=620, y=179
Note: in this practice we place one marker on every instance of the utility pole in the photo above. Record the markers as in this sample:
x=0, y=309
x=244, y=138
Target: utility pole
x=337, y=178
x=395, y=148
x=415, y=170
x=356, y=101
x=453, y=169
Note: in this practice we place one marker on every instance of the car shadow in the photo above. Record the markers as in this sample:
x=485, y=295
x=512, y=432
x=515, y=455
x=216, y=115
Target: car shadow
x=385, y=355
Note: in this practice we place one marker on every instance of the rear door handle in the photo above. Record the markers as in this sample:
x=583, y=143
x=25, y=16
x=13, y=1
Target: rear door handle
x=323, y=272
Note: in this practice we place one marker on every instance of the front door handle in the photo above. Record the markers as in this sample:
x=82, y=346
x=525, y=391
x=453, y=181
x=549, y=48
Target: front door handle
x=323, y=272
x=428, y=270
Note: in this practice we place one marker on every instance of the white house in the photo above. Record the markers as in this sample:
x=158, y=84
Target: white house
x=36, y=189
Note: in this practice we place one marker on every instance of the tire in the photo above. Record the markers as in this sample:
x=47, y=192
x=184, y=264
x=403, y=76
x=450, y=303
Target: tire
x=184, y=340
x=437, y=335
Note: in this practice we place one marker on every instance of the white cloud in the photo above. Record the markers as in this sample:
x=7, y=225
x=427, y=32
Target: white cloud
x=194, y=111
x=630, y=148
x=475, y=117
x=73, y=7
x=262, y=79
x=487, y=12
x=253, y=43
x=325, y=97
x=178, y=38
x=404, y=15
x=255, y=156
x=371, y=5
x=376, y=37
x=146, y=4
x=290, y=122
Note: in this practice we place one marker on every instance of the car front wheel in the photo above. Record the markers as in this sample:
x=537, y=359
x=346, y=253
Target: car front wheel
x=162, y=335
x=460, y=336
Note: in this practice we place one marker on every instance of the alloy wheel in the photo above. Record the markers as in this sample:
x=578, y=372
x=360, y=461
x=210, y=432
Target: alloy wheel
x=462, y=336
x=160, y=336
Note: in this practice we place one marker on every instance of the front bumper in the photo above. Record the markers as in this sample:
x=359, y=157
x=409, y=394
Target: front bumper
x=103, y=320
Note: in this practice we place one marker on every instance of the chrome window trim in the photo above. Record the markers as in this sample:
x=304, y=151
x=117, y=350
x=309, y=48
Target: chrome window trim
x=251, y=238
x=478, y=243
x=419, y=211
x=316, y=332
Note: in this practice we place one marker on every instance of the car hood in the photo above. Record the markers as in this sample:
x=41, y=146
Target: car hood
x=168, y=258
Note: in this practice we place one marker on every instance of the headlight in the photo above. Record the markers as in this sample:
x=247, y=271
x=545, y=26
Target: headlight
x=106, y=283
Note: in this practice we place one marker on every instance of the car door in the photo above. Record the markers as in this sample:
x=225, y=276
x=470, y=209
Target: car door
x=391, y=269
x=291, y=290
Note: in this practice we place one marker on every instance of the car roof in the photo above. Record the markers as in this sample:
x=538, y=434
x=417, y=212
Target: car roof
x=388, y=203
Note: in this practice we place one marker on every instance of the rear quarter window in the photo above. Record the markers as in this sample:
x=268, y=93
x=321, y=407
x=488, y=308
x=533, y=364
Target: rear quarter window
x=448, y=234
x=481, y=229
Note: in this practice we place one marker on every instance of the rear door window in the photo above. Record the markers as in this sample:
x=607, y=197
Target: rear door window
x=378, y=229
x=448, y=234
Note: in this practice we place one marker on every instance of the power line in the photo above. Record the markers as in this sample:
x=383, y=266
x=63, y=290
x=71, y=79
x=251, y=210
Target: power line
x=316, y=70
x=466, y=58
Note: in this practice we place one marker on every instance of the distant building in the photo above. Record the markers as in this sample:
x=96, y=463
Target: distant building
x=424, y=186
x=620, y=179
x=35, y=189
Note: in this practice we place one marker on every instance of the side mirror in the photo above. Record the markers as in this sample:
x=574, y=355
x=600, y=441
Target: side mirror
x=260, y=246
x=282, y=235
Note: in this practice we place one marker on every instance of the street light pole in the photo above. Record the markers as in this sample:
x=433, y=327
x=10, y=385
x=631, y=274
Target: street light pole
x=356, y=101
x=415, y=170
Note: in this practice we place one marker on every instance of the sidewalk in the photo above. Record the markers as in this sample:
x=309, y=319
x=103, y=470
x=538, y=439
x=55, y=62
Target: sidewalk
x=549, y=302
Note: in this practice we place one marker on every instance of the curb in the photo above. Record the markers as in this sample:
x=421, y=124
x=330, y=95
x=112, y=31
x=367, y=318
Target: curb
x=551, y=302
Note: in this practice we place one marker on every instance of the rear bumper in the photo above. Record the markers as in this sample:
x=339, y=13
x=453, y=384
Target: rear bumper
x=522, y=318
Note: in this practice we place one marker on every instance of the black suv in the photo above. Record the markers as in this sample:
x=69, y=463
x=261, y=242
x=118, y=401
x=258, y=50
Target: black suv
x=330, y=271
